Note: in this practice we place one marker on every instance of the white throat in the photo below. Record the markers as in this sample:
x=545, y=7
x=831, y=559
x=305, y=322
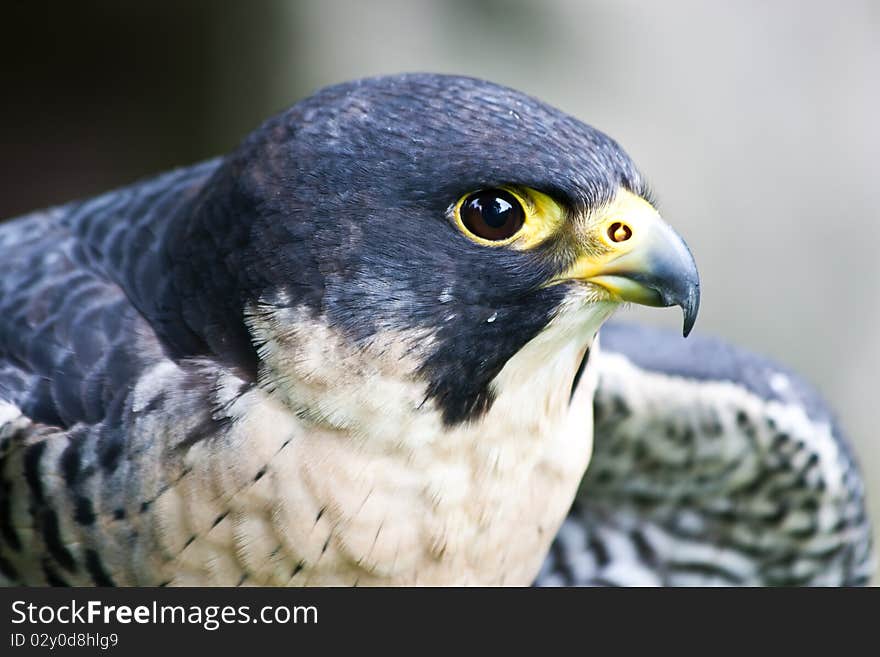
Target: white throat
x=363, y=482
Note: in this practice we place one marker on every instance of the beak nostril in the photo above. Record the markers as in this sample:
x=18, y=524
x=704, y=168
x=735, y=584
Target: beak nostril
x=619, y=232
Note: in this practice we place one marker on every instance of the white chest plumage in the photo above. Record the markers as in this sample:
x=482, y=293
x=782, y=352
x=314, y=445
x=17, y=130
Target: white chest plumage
x=344, y=474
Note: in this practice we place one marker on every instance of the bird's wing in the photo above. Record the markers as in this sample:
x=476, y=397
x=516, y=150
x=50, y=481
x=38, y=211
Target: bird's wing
x=80, y=366
x=710, y=466
x=79, y=284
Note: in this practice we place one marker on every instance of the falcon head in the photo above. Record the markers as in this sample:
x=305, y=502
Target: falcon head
x=443, y=221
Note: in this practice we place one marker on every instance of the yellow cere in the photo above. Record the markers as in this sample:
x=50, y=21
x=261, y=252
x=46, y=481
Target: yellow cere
x=620, y=228
x=627, y=215
x=543, y=217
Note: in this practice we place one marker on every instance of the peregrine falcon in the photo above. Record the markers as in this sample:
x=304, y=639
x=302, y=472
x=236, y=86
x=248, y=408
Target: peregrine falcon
x=364, y=348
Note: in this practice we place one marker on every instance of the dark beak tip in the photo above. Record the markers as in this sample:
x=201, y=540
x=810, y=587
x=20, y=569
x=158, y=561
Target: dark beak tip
x=688, y=325
x=690, y=308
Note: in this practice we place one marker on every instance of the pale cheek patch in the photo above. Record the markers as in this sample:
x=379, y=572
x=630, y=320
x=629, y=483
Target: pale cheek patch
x=371, y=392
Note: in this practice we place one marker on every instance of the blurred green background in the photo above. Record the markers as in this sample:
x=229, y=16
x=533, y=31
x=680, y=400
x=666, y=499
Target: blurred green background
x=756, y=122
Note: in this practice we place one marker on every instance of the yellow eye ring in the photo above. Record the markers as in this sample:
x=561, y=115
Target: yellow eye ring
x=508, y=216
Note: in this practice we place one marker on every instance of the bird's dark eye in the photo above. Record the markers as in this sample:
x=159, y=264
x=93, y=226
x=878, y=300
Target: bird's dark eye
x=492, y=214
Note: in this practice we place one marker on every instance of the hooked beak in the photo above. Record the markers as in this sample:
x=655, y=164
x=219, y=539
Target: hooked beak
x=634, y=255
